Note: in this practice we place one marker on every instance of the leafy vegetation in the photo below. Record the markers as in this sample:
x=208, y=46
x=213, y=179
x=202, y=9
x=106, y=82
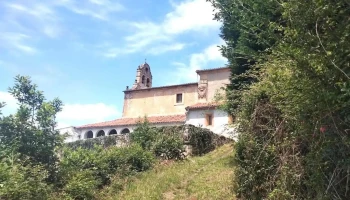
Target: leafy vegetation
x=83, y=171
x=168, y=142
x=290, y=94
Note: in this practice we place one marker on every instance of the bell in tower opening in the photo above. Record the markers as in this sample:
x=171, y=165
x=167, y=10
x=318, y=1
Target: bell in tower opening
x=143, y=77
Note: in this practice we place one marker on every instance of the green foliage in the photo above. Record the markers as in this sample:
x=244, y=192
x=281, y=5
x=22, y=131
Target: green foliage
x=165, y=143
x=31, y=131
x=250, y=29
x=19, y=181
x=293, y=113
x=144, y=135
x=202, y=140
x=2, y=104
x=104, y=163
x=106, y=141
x=81, y=185
x=169, y=144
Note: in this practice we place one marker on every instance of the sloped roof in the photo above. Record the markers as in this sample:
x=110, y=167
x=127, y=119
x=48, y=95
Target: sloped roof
x=212, y=69
x=133, y=121
x=202, y=106
x=159, y=87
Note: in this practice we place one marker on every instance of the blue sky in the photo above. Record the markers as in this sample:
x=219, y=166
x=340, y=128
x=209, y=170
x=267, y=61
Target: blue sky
x=86, y=51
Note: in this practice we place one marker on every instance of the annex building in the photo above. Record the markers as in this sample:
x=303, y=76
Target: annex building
x=188, y=103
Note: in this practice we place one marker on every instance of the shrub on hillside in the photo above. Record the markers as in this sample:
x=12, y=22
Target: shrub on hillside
x=169, y=146
x=127, y=159
x=18, y=181
x=202, y=140
x=104, y=163
x=81, y=185
x=168, y=142
x=145, y=135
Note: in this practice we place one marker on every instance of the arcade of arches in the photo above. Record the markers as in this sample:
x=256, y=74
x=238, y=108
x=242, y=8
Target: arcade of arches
x=89, y=134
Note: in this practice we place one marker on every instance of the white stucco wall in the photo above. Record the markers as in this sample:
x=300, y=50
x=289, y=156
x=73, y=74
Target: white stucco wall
x=220, y=121
x=70, y=132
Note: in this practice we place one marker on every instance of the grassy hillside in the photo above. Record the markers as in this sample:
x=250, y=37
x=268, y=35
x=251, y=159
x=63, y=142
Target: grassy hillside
x=206, y=177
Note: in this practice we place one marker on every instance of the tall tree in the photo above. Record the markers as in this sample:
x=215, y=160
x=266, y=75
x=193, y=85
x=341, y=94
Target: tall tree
x=250, y=29
x=30, y=133
x=290, y=62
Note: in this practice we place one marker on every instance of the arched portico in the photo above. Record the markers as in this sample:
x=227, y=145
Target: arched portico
x=100, y=133
x=112, y=132
x=125, y=131
x=88, y=134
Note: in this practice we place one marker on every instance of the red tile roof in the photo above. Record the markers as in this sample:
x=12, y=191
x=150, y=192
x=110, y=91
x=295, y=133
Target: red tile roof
x=202, y=105
x=166, y=86
x=212, y=69
x=133, y=121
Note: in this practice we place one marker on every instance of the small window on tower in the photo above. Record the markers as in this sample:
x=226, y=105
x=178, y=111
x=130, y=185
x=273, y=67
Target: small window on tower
x=146, y=70
x=178, y=98
x=147, y=84
x=143, y=79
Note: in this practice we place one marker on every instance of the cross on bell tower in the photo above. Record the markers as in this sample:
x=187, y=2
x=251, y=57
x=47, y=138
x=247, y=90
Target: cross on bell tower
x=143, y=77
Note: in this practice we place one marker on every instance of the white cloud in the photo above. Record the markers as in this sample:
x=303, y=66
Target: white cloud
x=79, y=114
x=52, y=31
x=36, y=19
x=99, y=9
x=71, y=114
x=23, y=23
x=11, y=103
x=36, y=10
x=190, y=15
x=164, y=48
x=42, y=17
x=186, y=72
x=17, y=42
x=213, y=53
x=155, y=38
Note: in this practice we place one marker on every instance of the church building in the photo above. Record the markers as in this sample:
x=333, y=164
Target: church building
x=188, y=103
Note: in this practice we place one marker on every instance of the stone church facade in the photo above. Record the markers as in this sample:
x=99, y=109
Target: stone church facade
x=188, y=103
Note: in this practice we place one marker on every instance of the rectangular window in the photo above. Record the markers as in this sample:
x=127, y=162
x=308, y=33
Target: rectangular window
x=178, y=98
x=209, y=119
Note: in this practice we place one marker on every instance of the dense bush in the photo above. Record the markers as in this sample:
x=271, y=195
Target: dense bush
x=81, y=185
x=104, y=163
x=145, y=135
x=202, y=140
x=164, y=143
x=168, y=142
x=169, y=145
x=19, y=181
x=290, y=93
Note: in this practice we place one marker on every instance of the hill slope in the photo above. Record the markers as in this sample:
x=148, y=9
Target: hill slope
x=206, y=177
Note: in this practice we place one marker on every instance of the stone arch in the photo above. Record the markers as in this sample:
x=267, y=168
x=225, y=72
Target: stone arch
x=125, y=131
x=100, y=133
x=89, y=134
x=112, y=132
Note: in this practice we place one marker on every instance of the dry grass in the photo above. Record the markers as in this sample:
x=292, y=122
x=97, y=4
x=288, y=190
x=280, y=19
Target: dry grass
x=206, y=177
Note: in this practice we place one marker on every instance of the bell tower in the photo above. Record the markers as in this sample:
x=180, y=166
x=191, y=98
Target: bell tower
x=143, y=77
